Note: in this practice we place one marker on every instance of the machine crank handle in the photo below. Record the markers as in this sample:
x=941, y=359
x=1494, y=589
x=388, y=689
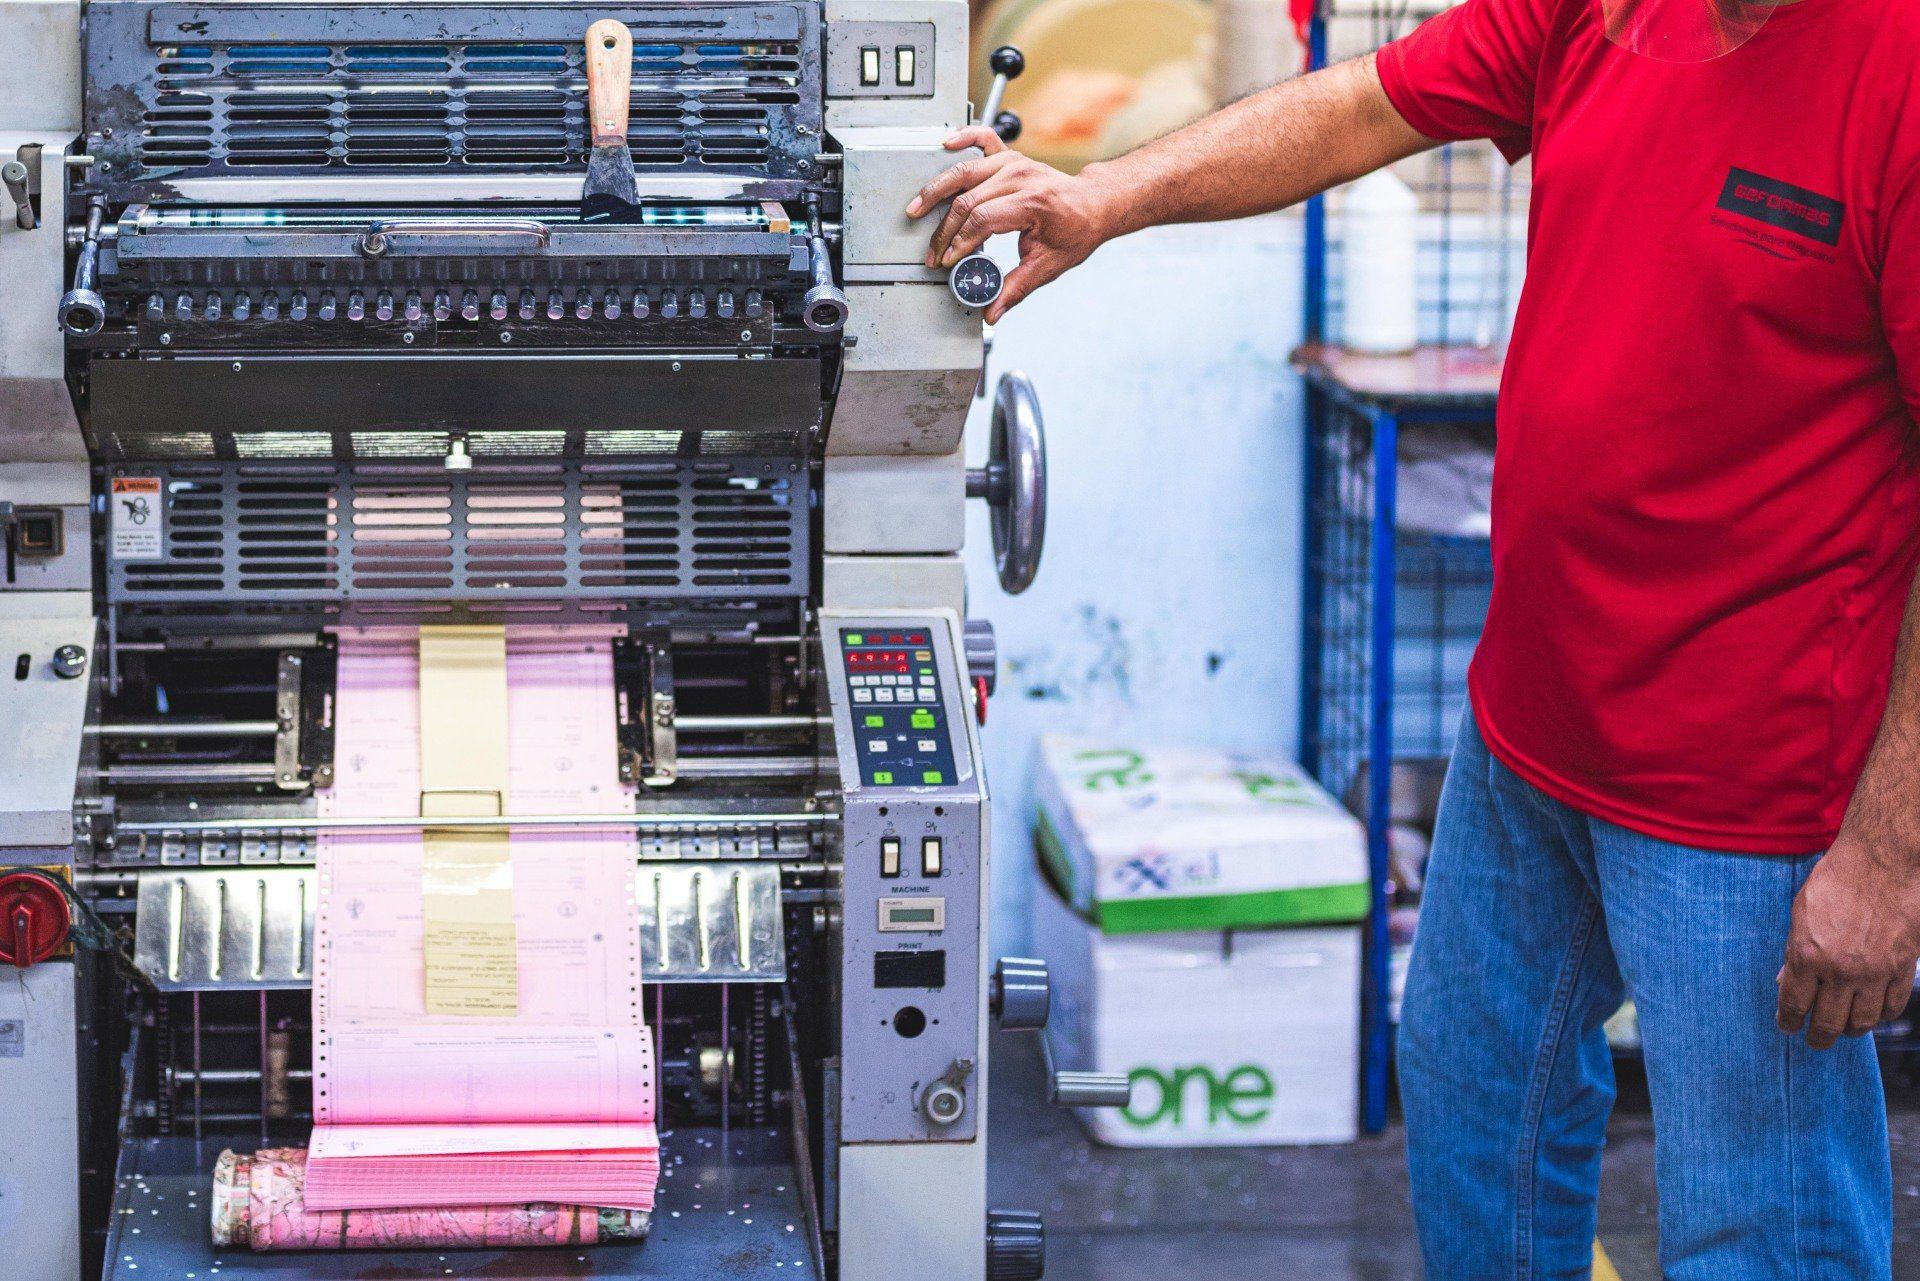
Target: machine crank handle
x=1083, y=1089
x=1020, y=993
x=1014, y=482
x=825, y=306
x=83, y=312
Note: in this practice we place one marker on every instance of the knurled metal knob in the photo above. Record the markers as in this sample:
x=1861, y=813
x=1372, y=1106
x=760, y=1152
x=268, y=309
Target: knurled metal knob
x=1016, y=1246
x=70, y=662
x=1021, y=993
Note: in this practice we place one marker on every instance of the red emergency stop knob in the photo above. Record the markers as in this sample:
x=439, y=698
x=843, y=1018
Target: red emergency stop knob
x=34, y=918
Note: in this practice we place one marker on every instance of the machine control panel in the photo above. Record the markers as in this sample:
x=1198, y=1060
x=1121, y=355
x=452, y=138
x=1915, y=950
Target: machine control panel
x=900, y=724
x=913, y=868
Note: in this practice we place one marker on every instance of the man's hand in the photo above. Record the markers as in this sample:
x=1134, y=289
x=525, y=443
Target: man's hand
x=1061, y=218
x=1853, y=944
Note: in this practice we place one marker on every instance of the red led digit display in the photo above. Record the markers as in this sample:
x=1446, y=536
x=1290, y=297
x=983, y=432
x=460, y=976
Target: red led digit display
x=877, y=660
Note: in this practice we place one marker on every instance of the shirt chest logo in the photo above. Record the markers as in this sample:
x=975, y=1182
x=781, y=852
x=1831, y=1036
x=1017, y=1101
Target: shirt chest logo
x=1807, y=216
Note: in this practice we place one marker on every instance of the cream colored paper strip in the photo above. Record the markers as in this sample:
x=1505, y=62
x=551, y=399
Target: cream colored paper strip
x=472, y=960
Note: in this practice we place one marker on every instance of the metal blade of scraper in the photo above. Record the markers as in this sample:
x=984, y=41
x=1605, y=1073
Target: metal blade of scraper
x=611, y=195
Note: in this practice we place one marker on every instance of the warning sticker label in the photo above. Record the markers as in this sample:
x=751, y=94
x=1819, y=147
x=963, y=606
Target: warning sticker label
x=136, y=520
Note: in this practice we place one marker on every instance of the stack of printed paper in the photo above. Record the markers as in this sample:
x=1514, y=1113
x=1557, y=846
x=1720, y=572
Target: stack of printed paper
x=479, y=1037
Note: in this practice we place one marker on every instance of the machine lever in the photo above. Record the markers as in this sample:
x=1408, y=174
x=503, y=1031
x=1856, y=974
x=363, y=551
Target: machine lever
x=83, y=312
x=21, y=179
x=825, y=306
x=1006, y=63
x=1014, y=482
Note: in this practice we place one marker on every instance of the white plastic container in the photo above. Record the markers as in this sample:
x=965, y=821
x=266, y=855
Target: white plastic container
x=1379, y=263
x=1241, y=1039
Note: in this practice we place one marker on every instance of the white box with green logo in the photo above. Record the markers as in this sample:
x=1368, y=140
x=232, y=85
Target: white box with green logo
x=1230, y=1038
x=1147, y=840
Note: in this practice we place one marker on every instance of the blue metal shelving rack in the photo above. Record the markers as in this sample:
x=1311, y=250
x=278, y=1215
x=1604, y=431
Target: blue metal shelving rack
x=1390, y=615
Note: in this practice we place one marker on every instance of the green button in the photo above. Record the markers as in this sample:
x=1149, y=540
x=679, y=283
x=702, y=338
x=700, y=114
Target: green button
x=933, y=776
x=882, y=777
x=876, y=722
x=855, y=638
x=923, y=719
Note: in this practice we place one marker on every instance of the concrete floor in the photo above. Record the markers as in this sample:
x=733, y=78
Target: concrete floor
x=1332, y=1214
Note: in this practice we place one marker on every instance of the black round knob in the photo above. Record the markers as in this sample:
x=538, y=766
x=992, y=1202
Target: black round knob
x=1016, y=1246
x=1007, y=61
x=1007, y=125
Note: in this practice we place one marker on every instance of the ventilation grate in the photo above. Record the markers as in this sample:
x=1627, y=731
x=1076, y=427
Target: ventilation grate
x=488, y=106
x=247, y=534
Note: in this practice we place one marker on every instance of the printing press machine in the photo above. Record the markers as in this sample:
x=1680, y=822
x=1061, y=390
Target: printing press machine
x=301, y=328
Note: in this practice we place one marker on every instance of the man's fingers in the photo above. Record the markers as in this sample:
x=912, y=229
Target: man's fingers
x=989, y=219
x=1797, y=990
x=962, y=208
x=1831, y=1010
x=1865, y=1015
x=1032, y=273
x=1894, y=1003
x=989, y=142
x=949, y=182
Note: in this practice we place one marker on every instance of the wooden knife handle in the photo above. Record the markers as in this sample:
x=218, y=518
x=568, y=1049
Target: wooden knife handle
x=609, y=79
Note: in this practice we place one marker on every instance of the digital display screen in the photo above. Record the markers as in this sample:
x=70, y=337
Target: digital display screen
x=912, y=915
x=878, y=660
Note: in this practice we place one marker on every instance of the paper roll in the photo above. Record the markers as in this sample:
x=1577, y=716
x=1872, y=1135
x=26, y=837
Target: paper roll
x=258, y=1204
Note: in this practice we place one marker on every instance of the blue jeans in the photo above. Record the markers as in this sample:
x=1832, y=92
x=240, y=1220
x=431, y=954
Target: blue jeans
x=1771, y=1158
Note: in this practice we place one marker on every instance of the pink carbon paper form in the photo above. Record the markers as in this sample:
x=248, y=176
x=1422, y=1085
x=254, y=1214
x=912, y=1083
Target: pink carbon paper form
x=572, y=1073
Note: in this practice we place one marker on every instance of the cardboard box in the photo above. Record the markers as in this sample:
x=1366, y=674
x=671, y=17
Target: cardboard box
x=1158, y=839
x=1238, y=1039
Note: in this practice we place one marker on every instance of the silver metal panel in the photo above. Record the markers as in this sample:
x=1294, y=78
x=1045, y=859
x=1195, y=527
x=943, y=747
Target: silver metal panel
x=947, y=107
x=39, y=68
x=901, y=1041
x=884, y=166
x=908, y=383
x=251, y=927
x=887, y=59
x=41, y=716
x=893, y=582
x=40, y=1160
x=207, y=929
x=711, y=923
x=938, y=1188
x=916, y=504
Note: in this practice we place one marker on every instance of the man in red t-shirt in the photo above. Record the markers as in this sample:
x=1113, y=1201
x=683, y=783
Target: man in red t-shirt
x=1691, y=772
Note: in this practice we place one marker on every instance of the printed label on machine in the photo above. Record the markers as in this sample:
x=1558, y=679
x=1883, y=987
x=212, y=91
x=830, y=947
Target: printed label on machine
x=136, y=518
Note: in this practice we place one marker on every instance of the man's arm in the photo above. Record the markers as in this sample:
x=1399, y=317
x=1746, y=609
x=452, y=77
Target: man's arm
x=1264, y=152
x=1856, y=923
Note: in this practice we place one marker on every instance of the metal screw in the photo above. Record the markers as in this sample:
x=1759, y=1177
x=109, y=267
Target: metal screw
x=746, y=335
x=236, y=366
x=166, y=340
x=506, y=337
x=676, y=366
x=407, y=337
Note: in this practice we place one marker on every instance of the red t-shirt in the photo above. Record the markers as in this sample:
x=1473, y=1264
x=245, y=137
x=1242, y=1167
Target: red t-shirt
x=1706, y=510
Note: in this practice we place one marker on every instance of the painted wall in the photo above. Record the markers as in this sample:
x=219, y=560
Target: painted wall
x=1167, y=606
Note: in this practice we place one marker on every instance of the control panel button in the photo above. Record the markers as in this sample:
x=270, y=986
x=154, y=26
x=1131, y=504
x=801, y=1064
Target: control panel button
x=870, y=66
x=903, y=65
x=932, y=856
x=889, y=856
